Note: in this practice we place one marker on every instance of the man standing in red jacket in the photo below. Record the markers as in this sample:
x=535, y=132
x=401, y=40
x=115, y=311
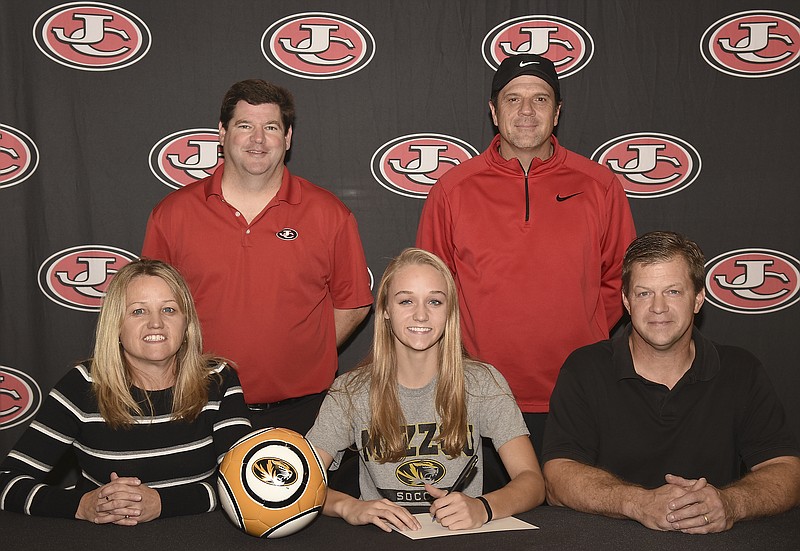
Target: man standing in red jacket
x=535, y=235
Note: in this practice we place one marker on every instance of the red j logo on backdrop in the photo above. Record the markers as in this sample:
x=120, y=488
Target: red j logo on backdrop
x=318, y=45
x=650, y=164
x=186, y=156
x=91, y=36
x=753, y=281
x=410, y=165
x=753, y=44
x=568, y=45
x=77, y=278
x=18, y=156
x=20, y=397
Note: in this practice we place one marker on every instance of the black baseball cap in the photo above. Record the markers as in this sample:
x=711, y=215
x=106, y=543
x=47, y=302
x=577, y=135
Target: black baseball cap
x=525, y=64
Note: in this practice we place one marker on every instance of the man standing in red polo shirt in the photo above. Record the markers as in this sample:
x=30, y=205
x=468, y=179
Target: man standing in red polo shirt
x=275, y=263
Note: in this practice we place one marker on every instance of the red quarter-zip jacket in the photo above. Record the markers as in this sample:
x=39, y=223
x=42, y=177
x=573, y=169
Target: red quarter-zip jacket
x=537, y=259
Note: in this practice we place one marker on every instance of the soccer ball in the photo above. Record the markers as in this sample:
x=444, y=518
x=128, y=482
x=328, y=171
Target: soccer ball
x=272, y=483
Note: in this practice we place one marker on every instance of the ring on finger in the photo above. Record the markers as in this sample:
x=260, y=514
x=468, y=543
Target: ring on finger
x=705, y=517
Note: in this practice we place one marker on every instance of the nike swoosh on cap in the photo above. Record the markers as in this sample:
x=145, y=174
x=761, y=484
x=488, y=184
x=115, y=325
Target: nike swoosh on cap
x=526, y=63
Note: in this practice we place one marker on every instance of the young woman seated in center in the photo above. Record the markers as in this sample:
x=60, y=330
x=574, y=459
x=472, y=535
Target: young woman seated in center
x=416, y=410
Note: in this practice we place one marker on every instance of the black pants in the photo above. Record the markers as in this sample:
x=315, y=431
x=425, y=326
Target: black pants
x=298, y=415
x=494, y=474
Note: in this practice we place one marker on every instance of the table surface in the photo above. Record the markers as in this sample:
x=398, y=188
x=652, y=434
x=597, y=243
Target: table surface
x=559, y=529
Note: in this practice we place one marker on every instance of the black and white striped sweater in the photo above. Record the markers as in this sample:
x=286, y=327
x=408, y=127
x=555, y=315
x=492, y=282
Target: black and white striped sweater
x=176, y=458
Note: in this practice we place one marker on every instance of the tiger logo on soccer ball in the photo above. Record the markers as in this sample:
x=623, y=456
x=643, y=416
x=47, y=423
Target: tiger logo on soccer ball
x=419, y=472
x=274, y=471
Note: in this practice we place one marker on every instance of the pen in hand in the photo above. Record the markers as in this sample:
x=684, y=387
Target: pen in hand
x=458, y=485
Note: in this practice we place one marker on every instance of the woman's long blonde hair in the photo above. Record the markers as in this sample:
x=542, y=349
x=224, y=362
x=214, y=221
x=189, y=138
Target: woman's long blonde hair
x=387, y=434
x=112, y=377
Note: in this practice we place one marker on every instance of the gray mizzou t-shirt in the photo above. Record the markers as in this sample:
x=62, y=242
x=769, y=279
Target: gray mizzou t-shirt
x=491, y=412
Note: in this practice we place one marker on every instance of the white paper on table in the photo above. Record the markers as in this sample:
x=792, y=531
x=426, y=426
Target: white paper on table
x=432, y=529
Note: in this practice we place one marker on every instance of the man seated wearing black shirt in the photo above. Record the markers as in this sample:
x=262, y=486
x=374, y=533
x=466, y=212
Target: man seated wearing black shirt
x=656, y=424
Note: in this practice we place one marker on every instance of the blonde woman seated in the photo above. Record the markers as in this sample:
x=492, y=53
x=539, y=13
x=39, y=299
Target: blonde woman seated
x=148, y=417
x=416, y=411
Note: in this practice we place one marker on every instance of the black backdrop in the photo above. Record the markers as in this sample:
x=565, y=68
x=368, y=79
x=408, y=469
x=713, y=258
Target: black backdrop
x=106, y=107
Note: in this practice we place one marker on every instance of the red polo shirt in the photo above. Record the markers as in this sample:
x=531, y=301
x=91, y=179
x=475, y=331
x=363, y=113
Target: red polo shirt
x=265, y=291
